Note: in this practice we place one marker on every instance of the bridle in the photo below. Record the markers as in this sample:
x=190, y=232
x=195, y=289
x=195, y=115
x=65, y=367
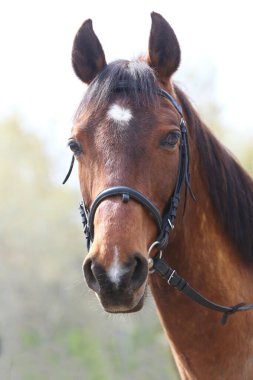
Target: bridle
x=165, y=222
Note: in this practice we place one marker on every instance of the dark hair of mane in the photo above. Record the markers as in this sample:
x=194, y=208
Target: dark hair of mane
x=230, y=187
x=140, y=79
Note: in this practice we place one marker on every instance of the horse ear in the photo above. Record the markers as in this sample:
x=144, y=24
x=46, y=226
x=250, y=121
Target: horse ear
x=88, y=57
x=164, y=50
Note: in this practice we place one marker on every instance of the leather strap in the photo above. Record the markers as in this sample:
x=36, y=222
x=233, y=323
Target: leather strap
x=173, y=279
x=127, y=193
x=70, y=169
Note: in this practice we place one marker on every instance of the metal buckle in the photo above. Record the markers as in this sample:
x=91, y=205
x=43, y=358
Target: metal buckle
x=183, y=125
x=171, y=276
x=170, y=224
x=150, y=260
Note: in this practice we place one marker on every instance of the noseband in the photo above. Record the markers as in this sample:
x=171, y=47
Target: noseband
x=165, y=222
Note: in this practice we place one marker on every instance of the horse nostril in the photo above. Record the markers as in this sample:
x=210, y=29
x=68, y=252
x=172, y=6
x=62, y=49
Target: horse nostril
x=140, y=271
x=90, y=276
x=129, y=276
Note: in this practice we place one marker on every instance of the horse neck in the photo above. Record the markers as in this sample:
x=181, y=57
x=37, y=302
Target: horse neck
x=204, y=256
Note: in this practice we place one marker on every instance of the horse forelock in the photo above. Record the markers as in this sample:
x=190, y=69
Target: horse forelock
x=139, y=87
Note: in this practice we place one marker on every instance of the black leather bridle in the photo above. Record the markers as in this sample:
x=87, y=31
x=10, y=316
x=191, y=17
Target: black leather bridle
x=165, y=222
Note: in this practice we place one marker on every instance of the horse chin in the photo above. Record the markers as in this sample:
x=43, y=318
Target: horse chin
x=126, y=310
x=132, y=307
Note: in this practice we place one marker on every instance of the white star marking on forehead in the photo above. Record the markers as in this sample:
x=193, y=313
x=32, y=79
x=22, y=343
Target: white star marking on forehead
x=119, y=114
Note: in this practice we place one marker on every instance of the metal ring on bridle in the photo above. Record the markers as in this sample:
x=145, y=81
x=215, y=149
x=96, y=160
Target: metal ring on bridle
x=150, y=260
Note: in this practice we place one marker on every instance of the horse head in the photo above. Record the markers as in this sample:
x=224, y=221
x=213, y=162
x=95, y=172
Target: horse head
x=125, y=134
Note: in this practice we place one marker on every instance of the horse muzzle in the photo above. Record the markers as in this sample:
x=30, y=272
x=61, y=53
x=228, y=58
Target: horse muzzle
x=120, y=287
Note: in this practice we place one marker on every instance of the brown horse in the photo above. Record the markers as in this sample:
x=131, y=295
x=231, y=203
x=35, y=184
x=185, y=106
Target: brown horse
x=128, y=141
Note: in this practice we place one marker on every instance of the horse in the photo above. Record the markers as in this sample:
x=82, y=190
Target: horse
x=160, y=192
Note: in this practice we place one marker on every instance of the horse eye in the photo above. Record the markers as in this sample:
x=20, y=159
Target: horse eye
x=171, y=139
x=75, y=147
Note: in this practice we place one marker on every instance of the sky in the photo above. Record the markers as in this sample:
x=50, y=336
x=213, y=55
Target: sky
x=37, y=81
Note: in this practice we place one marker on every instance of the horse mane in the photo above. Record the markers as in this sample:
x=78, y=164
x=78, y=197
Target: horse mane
x=230, y=187
x=140, y=84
